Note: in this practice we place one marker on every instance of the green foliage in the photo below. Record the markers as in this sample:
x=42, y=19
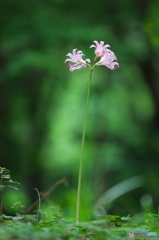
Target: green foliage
x=109, y=227
x=18, y=206
x=49, y=223
x=42, y=103
x=5, y=181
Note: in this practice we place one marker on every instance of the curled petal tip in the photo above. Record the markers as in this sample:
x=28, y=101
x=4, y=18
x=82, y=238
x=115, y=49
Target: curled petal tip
x=76, y=60
x=100, y=48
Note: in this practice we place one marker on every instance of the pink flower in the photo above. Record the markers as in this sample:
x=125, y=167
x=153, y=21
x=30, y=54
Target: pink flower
x=107, y=60
x=100, y=48
x=75, y=60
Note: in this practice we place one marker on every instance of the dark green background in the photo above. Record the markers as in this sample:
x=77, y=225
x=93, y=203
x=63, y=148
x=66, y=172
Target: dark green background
x=42, y=103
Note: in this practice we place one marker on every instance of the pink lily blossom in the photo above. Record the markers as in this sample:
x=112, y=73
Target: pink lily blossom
x=75, y=60
x=100, y=48
x=107, y=60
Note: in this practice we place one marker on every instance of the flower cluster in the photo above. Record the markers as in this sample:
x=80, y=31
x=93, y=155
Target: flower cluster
x=107, y=57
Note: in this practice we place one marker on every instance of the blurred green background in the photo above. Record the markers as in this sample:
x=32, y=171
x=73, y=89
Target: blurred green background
x=42, y=103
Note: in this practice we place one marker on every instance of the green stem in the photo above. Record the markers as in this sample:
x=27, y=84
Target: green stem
x=82, y=150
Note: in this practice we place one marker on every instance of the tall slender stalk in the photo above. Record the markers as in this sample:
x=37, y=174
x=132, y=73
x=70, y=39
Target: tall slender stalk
x=82, y=150
x=76, y=61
